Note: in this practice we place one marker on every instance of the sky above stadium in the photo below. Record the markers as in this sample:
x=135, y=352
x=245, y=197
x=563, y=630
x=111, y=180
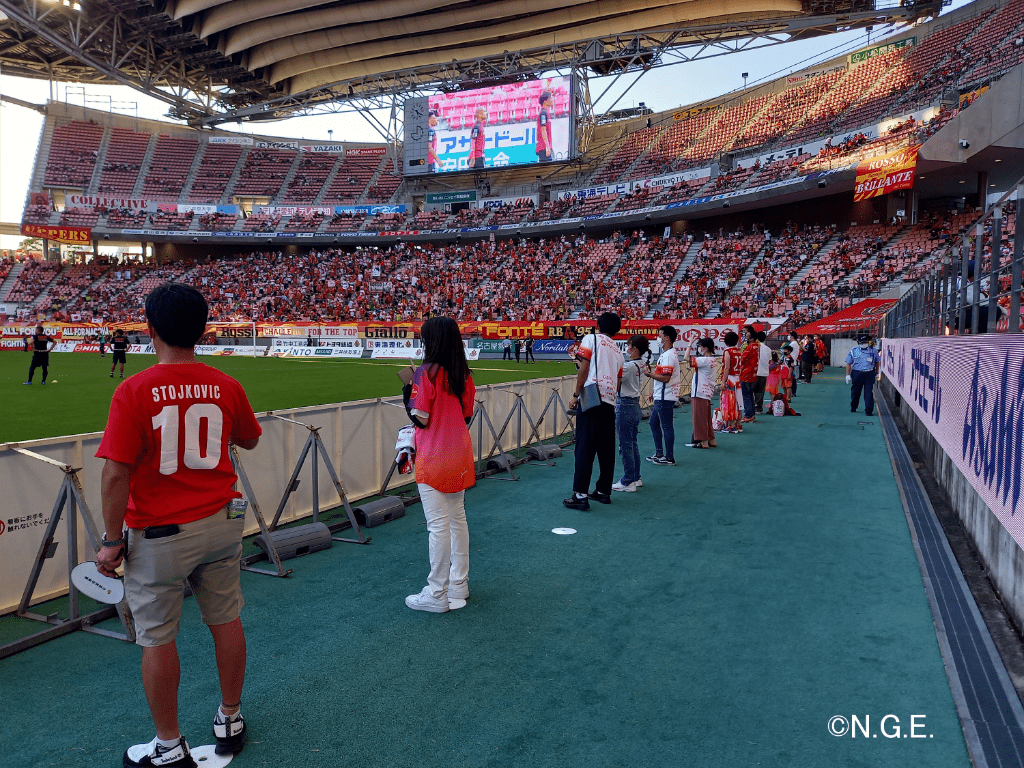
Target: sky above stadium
x=659, y=89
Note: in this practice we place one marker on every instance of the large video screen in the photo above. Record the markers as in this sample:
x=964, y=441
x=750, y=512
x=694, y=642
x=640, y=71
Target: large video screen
x=505, y=125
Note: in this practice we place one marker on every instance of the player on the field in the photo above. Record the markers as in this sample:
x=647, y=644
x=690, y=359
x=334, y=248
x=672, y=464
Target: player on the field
x=40, y=353
x=544, y=128
x=433, y=159
x=169, y=481
x=120, y=346
x=477, y=139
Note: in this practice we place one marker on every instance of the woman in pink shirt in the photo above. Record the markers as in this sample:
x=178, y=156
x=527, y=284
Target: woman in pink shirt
x=440, y=402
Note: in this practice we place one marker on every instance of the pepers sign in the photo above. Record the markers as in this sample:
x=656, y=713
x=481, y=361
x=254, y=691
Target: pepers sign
x=969, y=391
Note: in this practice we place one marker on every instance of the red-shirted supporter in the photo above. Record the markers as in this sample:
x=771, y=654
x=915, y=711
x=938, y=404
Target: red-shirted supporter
x=440, y=401
x=544, y=145
x=749, y=359
x=168, y=479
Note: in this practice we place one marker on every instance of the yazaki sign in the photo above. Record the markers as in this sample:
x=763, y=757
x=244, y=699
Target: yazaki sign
x=886, y=173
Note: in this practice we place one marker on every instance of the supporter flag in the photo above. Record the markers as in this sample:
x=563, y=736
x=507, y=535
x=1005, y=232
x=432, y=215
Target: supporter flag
x=886, y=173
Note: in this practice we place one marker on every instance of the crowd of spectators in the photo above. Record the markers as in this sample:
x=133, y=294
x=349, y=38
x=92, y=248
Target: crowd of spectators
x=719, y=263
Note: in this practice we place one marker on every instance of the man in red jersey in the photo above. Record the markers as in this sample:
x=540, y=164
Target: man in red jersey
x=749, y=359
x=544, y=128
x=168, y=479
x=477, y=139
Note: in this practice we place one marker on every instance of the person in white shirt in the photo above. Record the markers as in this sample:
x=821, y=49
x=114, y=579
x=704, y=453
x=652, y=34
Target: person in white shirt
x=666, y=393
x=705, y=376
x=764, y=360
x=600, y=362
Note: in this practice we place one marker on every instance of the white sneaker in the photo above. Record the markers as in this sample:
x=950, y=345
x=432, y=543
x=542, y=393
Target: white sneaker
x=155, y=754
x=628, y=487
x=424, y=601
x=639, y=483
x=458, y=592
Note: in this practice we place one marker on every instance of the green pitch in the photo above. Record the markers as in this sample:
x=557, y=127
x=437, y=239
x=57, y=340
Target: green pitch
x=78, y=399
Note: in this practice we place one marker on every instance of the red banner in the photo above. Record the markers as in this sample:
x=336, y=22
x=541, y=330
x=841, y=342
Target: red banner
x=863, y=314
x=73, y=235
x=885, y=174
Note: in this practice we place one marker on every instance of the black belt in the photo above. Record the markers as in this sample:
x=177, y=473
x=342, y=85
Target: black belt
x=160, y=531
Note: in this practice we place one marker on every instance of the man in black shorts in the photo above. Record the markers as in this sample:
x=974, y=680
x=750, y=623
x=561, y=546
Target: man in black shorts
x=40, y=353
x=120, y=346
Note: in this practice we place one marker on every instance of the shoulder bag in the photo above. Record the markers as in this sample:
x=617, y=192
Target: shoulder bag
x=590, y=395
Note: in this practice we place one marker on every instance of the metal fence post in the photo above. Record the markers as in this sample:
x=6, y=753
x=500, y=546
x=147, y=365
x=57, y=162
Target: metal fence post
x=1018, y=262
x=993, y=280
x=979, y=251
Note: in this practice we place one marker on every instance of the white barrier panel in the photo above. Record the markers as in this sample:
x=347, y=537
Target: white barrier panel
x=141, y=349
x=969, y=392
x=360, y=437
x=322, y=352
x=397, y=353
x=237, y=351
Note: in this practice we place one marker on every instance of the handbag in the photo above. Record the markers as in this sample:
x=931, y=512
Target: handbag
x=590, y=395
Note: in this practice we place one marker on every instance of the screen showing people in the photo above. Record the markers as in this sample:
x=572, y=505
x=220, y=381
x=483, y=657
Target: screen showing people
x=514, y=124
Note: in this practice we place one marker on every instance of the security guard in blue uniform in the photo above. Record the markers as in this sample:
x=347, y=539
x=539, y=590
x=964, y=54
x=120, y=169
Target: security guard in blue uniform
x=862, y=365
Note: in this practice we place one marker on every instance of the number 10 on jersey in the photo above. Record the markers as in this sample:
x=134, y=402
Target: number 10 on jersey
x=199, y=453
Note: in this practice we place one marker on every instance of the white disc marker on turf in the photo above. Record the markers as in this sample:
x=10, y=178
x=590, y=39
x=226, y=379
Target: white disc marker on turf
x=206, y=756
x=563, y=531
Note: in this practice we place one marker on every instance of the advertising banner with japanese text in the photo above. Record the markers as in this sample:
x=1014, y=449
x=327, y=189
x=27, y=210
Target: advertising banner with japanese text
x=885, y=174
x=969, y=392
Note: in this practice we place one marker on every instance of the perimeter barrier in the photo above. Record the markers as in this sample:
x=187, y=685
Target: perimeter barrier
x=953, y=368
x=945, y=301
x=359, y=437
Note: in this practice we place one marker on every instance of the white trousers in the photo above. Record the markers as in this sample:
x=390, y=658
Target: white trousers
x=449, y=539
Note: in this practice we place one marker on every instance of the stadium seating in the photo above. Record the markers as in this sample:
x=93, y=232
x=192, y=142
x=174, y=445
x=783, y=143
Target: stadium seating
x=34, y=277
x=352, y=177
x=80, y=217
x=123, y=218
x=217, y=222
x=123, y=161
x=309, y=179
x=215, y=170
x=308, y=222
x=346, y=222
x=262, y=222
x=169, y=168
x=37, y=214
x=174, y=222
x=68, y=284
x=73, y=152
x=635, y=143
x=785, y=109
x=511, y=214
x=264, y=172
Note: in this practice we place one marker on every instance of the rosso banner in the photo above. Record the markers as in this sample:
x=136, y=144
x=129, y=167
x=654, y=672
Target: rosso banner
x=73, y=235
x=885, y=174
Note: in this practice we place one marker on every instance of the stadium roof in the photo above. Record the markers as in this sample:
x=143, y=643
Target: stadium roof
x=219, y=60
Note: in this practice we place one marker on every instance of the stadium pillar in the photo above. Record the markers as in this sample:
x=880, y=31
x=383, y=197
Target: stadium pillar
x=982, y=191
x=95, y=250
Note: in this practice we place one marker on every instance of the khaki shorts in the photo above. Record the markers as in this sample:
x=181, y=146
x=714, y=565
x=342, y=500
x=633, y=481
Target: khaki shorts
x=205, y=553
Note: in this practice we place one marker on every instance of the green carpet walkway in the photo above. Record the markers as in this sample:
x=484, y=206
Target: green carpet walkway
x=721, y=616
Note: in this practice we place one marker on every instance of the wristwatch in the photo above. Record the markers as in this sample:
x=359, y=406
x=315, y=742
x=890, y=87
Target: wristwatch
x=114, y=543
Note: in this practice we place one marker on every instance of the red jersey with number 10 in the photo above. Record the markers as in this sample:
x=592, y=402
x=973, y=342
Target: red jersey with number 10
x=171, y=424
